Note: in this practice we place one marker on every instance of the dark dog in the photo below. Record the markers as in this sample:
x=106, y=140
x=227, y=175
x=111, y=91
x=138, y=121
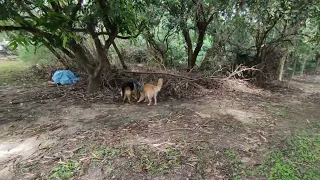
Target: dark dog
x=130, y=89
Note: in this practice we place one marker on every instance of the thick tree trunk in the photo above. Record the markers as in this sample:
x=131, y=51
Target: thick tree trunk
x=193, y=60
x=120, y=56
x=93, y=71
x=93, y=83
x=202, y=27
x=193, y=54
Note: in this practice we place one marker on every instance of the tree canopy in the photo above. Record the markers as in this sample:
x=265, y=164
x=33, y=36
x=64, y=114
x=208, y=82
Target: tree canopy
x=244, y=32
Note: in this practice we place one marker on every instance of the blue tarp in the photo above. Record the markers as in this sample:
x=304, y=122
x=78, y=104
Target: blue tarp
x=64, y=77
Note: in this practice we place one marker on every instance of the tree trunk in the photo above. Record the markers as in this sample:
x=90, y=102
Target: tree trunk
x=294, y=67
x=93, y=71
x=303, y=66
x=281, y=67
x=120, y=56
x=189, y=49
x=193, y=54
x=202, y=27
x=93, y=83
x=193, y=60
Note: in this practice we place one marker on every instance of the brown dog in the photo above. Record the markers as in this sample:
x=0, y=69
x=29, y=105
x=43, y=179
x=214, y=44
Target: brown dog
x=150, y=91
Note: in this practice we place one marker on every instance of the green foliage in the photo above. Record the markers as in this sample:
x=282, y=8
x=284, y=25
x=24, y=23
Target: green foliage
x=35, y=55
x=230, y=154
x=3, y=36
x=298, y=158
x=64, y=27
x=64, y=171
x=232, y=29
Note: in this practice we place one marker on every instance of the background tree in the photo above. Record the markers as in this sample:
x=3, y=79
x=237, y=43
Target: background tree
x=194, y=16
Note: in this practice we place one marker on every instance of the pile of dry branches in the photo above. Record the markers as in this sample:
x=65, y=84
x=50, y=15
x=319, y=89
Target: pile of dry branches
x=177, y=84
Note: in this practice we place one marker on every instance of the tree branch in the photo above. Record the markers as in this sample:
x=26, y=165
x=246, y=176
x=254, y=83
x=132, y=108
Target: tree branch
x=117, y=36
x=17, y=28
x=169, y=74
x=211, y=18
x=76, y=9
x=25, y=7
x=74, y=12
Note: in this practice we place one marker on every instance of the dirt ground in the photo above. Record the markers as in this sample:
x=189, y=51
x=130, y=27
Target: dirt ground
x=43, y=127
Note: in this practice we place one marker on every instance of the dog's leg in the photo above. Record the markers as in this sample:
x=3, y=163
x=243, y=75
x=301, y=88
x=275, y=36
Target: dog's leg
x=129, y=99
x=134, y=95
x=141, y=97
x=124, y=98
x=155, y=98
x=146, y=98
x=150, y=99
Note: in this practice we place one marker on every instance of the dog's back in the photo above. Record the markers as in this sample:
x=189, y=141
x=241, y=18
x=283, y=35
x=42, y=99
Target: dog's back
x=151, y=91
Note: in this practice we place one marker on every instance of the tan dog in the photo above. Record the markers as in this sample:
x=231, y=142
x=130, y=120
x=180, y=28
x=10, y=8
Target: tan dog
x=150, y=91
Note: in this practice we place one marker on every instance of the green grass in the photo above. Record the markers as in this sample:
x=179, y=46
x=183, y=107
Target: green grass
x=13, y=66
x=122, y=159
x=32, y=55
x=64, y=171
x=158, y=164
x=297, y=157
x=13, y=72
x=230, y=154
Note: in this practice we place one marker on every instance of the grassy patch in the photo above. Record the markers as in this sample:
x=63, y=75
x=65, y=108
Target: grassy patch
x=82, y=151
x=230, y=154
x=158, y=163
x=35, y=55
x=13, y=66
x=120, y=160
x=298, y=157
x=282, y=113
x=64, y=171
x=13, y=72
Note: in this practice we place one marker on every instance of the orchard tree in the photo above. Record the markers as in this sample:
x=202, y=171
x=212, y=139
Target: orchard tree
x=196, y=16
x=64, y=26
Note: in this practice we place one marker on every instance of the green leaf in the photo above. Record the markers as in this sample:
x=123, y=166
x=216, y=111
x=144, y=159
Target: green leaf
x=13, y=44
x=65, y=39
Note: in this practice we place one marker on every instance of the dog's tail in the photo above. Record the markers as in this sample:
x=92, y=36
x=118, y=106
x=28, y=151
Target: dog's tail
x=160, y=83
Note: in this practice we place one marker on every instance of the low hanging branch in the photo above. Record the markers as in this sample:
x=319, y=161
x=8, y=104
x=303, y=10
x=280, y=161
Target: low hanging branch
x=168, y=74
x=238, y=71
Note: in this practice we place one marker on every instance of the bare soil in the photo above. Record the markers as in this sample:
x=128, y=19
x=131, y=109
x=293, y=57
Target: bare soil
x=41, y=127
